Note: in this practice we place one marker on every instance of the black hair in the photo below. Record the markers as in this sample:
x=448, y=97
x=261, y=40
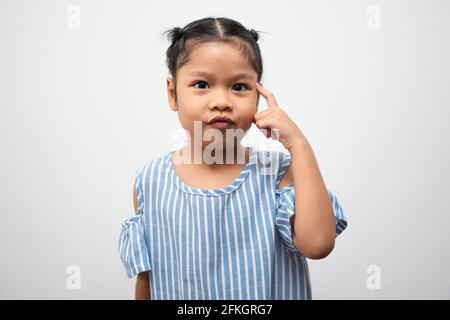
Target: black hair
x=211, y=29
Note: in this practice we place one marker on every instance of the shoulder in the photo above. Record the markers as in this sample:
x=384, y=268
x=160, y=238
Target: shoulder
x=147, y=170
x=146, y=174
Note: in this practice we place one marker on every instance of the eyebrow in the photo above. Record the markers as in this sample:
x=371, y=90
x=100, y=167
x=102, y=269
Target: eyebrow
x=236, y=76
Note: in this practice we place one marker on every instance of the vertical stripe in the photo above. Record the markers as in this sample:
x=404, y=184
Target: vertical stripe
x=170, y=227
x=255, y=280
x=187, y=246
x=265, y=215
x=255, y=224
x=229, y=243
x=150, y=198
x=157, y=261
x=246, y=284
x=236, y=251
x=221, y=216
x=181, y=258
x=214, y=247
x=165, y=293
x=193, y=249
x=199, y=254
x=206, y=213
x=231, y=272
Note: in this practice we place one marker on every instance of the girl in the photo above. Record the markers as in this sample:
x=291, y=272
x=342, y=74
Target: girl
x=227, y=229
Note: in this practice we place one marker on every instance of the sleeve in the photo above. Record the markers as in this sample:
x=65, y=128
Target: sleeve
x=285, y=202
x=132, y=244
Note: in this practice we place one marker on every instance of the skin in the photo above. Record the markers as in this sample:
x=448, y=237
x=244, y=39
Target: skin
x=204, y=97
x=220, y=93
x=313, y=224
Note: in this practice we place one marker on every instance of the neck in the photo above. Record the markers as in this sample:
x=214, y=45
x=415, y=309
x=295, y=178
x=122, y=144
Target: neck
x=213, y=158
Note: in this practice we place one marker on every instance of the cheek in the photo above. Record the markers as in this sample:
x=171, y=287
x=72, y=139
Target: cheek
x=246, y=119
x=186, y=120
x=248, y=116
x=187, y=116
x=249, y=112
x=187, y=110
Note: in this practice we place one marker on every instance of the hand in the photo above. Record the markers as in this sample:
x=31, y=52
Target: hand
x=275, y=120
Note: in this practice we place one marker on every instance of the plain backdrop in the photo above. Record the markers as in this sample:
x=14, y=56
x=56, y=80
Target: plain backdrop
x=83, y=107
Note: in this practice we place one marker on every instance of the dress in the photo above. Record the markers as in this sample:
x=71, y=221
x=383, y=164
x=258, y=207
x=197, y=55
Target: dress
x=229, y=243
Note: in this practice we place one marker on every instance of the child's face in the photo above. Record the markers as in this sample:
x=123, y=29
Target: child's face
x=220, y=92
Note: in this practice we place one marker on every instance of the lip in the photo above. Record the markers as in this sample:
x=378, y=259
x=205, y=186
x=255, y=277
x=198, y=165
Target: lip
x=221, y=119
x=221, y=125
x=221, y=122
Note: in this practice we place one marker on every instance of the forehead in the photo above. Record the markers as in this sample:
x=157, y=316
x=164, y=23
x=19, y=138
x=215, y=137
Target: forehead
x=217, y=59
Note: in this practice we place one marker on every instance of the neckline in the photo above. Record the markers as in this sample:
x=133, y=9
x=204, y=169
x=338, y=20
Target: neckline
x=211, y=192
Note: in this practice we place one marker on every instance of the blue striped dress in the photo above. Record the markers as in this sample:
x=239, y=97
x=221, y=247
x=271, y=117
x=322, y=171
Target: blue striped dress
x=229, y=243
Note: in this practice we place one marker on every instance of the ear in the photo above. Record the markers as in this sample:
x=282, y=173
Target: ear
x=171, y=94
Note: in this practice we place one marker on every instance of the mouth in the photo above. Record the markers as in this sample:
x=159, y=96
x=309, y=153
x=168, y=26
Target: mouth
x=221, y=122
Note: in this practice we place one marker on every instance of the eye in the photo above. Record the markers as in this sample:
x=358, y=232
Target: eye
x=241, y=85
x=202, y=82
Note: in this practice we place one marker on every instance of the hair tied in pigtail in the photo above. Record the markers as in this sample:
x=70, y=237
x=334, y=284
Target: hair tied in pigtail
x=178, y=33
x=254, y=34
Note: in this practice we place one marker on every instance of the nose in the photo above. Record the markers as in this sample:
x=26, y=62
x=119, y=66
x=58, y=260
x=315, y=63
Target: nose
x=220, y=102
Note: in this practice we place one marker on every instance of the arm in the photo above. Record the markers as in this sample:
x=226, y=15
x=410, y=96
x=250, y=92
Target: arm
x=313, y=225
x=142, y=287
x=142, y=291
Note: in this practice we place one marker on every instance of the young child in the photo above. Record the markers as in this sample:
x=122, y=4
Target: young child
x=227, y=229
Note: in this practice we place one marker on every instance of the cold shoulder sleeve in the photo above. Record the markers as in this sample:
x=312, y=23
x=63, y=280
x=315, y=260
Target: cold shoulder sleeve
x=285, y=202
x=132, y=241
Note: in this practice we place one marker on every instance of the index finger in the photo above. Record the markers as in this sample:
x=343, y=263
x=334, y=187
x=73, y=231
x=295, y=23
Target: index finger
x=271, y=102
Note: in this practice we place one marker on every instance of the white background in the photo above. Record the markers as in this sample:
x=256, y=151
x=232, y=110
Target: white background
x=81, y=109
